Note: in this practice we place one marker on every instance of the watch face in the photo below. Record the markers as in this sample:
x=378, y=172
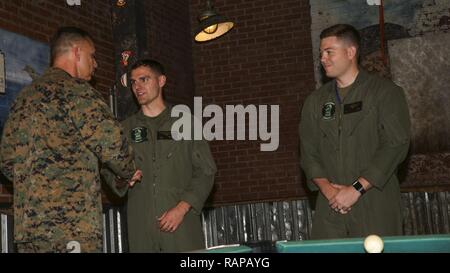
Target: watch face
x=358, y=186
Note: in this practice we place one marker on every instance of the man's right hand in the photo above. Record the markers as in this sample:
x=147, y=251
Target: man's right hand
x=343, y=201
x=330, y=192
x=136, y=178
x=326, y=188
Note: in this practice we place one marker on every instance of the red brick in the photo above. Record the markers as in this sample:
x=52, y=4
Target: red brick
x=39, y=19
x=269, y=60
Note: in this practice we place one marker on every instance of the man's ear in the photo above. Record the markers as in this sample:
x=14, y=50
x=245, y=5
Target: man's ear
x=75, y=50
x=162, y=81
x=351, y=52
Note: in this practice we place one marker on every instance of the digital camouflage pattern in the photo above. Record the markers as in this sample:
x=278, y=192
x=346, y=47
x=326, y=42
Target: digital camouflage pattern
x=58, y=130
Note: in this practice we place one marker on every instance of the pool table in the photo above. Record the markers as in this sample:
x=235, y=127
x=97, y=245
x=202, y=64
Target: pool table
x=226, y=249
x=392, y=244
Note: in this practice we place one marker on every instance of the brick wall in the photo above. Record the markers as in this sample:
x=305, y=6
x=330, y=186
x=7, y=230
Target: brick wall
x=168, y=28
x=265, y=59
x=39, y=20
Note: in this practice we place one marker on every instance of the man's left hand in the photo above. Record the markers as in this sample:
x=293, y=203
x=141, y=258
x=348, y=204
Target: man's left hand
x=344, y=199
x=171, y=219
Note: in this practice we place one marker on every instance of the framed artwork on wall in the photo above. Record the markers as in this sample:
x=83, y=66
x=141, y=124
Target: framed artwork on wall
x=2, y=73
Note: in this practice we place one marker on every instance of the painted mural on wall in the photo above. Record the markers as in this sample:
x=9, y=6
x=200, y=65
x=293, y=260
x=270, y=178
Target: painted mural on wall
x=416, y=48
x=401, y=18
x=25, y=59
x=418, y=65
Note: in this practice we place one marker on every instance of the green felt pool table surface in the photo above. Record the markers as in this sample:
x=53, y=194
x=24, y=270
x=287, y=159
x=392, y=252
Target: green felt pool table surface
x=392, y=244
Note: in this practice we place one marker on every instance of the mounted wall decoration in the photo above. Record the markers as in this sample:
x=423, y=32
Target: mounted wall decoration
x=128, y=17
x=126, y=57
x=2, y=73
x=73, y=2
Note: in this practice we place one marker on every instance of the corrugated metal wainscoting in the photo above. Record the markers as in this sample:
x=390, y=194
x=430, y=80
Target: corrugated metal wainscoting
x=425, y=213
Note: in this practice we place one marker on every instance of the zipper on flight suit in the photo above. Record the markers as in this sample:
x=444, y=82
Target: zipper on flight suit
x=340, y=156
x=151, y=135
x=340, y=121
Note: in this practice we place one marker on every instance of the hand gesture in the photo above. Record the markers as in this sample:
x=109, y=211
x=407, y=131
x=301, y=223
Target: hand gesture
x=136, y=178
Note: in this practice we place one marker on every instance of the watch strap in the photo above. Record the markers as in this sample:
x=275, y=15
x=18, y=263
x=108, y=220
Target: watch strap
x=359, y=187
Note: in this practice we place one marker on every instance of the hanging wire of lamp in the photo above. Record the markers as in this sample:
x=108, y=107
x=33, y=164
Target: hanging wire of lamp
x=212, y=25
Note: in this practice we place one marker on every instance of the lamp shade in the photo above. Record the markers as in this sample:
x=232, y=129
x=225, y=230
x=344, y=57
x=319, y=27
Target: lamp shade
x=212, y=25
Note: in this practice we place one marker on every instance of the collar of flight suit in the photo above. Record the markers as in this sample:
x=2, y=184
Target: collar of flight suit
x=157, y=121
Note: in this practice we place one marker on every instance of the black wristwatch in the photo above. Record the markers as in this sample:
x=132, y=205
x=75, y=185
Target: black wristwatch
x=359, y=187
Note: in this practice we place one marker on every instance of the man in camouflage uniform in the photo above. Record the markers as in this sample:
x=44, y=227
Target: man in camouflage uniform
x=164, y=209
x=354, y=132
x=58, y=130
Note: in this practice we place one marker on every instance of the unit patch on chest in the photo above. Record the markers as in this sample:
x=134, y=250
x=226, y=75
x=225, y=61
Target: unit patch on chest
x=328, y=111
x=139, y=135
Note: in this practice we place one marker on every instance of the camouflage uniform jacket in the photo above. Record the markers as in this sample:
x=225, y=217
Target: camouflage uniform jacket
x=58, y=130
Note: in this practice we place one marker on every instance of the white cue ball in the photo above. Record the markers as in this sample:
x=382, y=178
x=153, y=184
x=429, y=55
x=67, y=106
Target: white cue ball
x=373, y=244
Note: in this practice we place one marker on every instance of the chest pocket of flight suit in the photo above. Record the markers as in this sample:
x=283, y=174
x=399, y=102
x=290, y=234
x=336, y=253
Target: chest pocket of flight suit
x=328, y=132
x=168, y=146
x=139, y=137
x=364, y=120
x=327, y=115
x=361, y=133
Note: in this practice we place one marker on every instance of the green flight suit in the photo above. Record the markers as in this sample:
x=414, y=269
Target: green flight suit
x=366, y=135
x=173, y=171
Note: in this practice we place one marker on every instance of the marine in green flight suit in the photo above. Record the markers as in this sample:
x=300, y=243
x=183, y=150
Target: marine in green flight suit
x=164, y=210
x=354, y=133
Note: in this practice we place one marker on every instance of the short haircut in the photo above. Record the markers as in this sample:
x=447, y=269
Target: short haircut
x=64, y=39
x=343, y=32
x=152, y=64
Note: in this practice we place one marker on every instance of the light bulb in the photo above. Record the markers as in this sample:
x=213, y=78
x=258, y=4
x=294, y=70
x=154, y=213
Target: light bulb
x=211, y=29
